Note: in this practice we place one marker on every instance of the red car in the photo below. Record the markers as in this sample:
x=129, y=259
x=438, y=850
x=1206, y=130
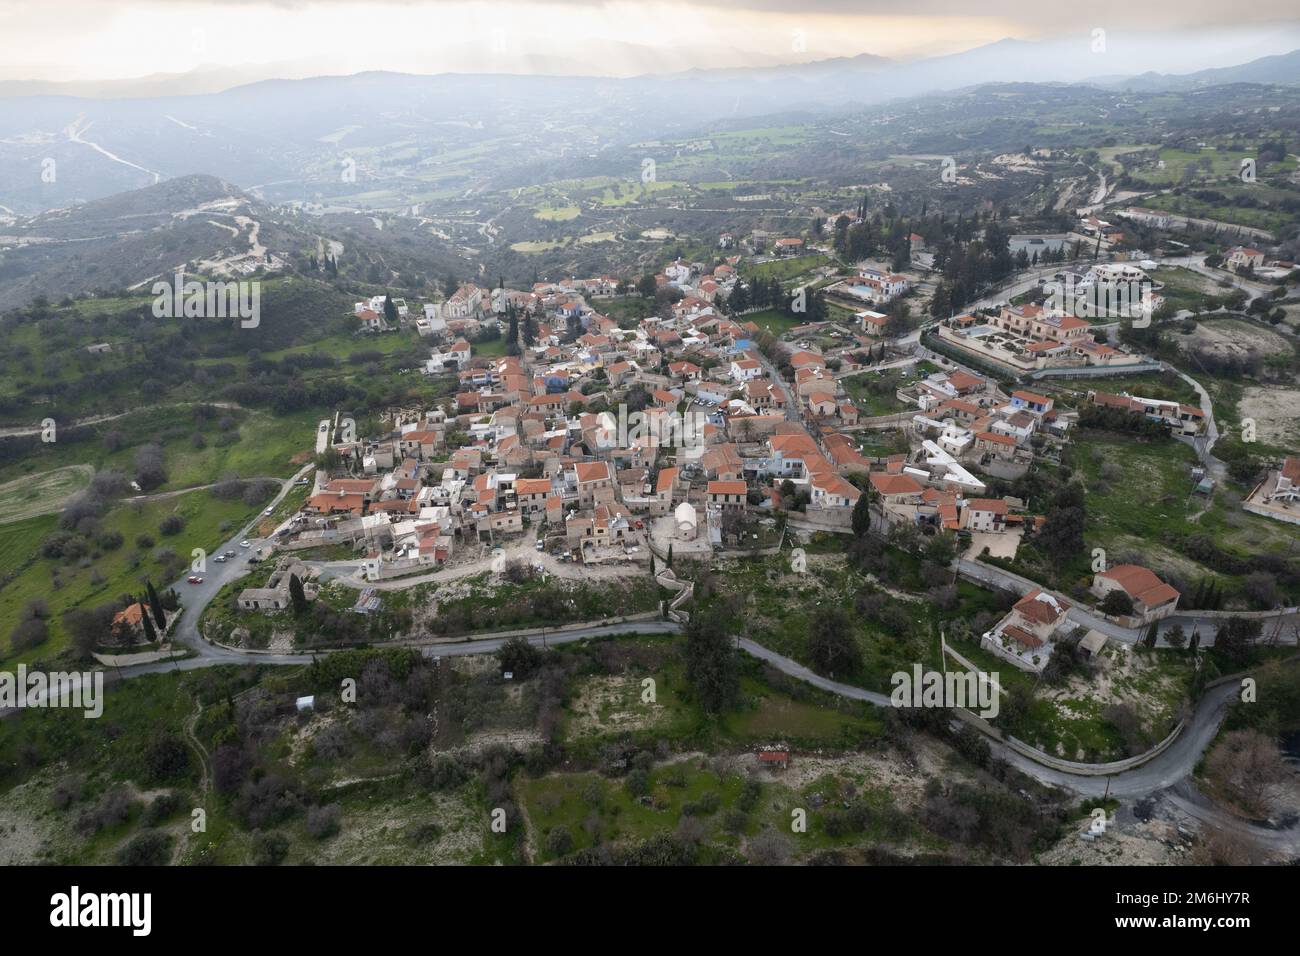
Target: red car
x=194, y=579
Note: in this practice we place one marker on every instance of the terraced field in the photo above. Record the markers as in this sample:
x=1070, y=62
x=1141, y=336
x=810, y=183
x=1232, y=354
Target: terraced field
x=41, y=494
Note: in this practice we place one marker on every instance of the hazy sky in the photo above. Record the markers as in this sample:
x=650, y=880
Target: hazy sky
x=103, y=39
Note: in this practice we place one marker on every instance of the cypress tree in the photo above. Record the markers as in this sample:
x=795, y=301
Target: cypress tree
x=297, y=595
x=155, y=605
x=862, y=515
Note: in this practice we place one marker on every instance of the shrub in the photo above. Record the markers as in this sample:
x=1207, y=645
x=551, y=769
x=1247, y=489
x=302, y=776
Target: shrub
x=28, y=634
x=559, y=841
x=109, y=540
x=146, y=848
x=67, y=790
x=638, y=783
x=163, y=806
x=113, y=809
x=269, y=849
x=1117, y=602
x=172, y=524
x=166, y=757
x=323, y=822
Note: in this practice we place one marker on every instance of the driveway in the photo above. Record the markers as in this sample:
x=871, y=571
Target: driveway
x=196, y=597
x=349, y=572
x=1000, y=545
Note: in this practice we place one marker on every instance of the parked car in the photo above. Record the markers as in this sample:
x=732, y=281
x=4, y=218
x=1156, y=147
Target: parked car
x=227, y=554
x=221, y=559
x=268, y=511
x=245, y=543
x=541, y=545
x=194, y=579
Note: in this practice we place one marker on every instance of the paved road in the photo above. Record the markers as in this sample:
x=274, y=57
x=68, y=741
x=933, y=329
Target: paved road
x=794, y=669
x=1204, y=444
x=196, y=597
x=996, y=577
x=792, y=410
x=1208, y=626
x=1172, y=767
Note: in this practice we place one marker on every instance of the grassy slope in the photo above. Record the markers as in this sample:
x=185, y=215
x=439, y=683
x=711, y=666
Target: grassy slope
x=208, y=522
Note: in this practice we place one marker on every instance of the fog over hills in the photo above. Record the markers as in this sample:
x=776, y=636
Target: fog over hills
x=277, y=130
x=133, y=187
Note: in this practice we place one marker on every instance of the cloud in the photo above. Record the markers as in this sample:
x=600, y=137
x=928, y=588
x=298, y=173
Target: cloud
x=92, y=39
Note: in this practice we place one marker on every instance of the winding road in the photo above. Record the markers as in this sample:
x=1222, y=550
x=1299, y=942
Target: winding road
x=1170, y=769
x=1168, y=772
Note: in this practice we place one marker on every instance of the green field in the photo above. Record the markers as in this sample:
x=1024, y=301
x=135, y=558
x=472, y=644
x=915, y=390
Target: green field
x=1184, y=289
x=1167, y=388
x=1213, y=164
x=42, y=493
x=535, y=246
x=874, y=393
x=784, y=269
x=258, y=444
x=779, y=610
x=626, y=193
x=1148, y=508
x=774, y=321
x=101, y=576
x=557, y=213
x=1267, y=219
x=19, y=541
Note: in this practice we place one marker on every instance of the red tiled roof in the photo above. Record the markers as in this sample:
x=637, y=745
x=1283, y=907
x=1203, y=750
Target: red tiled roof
x=592, y=470
x=727, y=488
x=895, y=484
x=1141, y=584
x=1021, y=636
x=533, y=486
x=131, y=614
x=1041, y=611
